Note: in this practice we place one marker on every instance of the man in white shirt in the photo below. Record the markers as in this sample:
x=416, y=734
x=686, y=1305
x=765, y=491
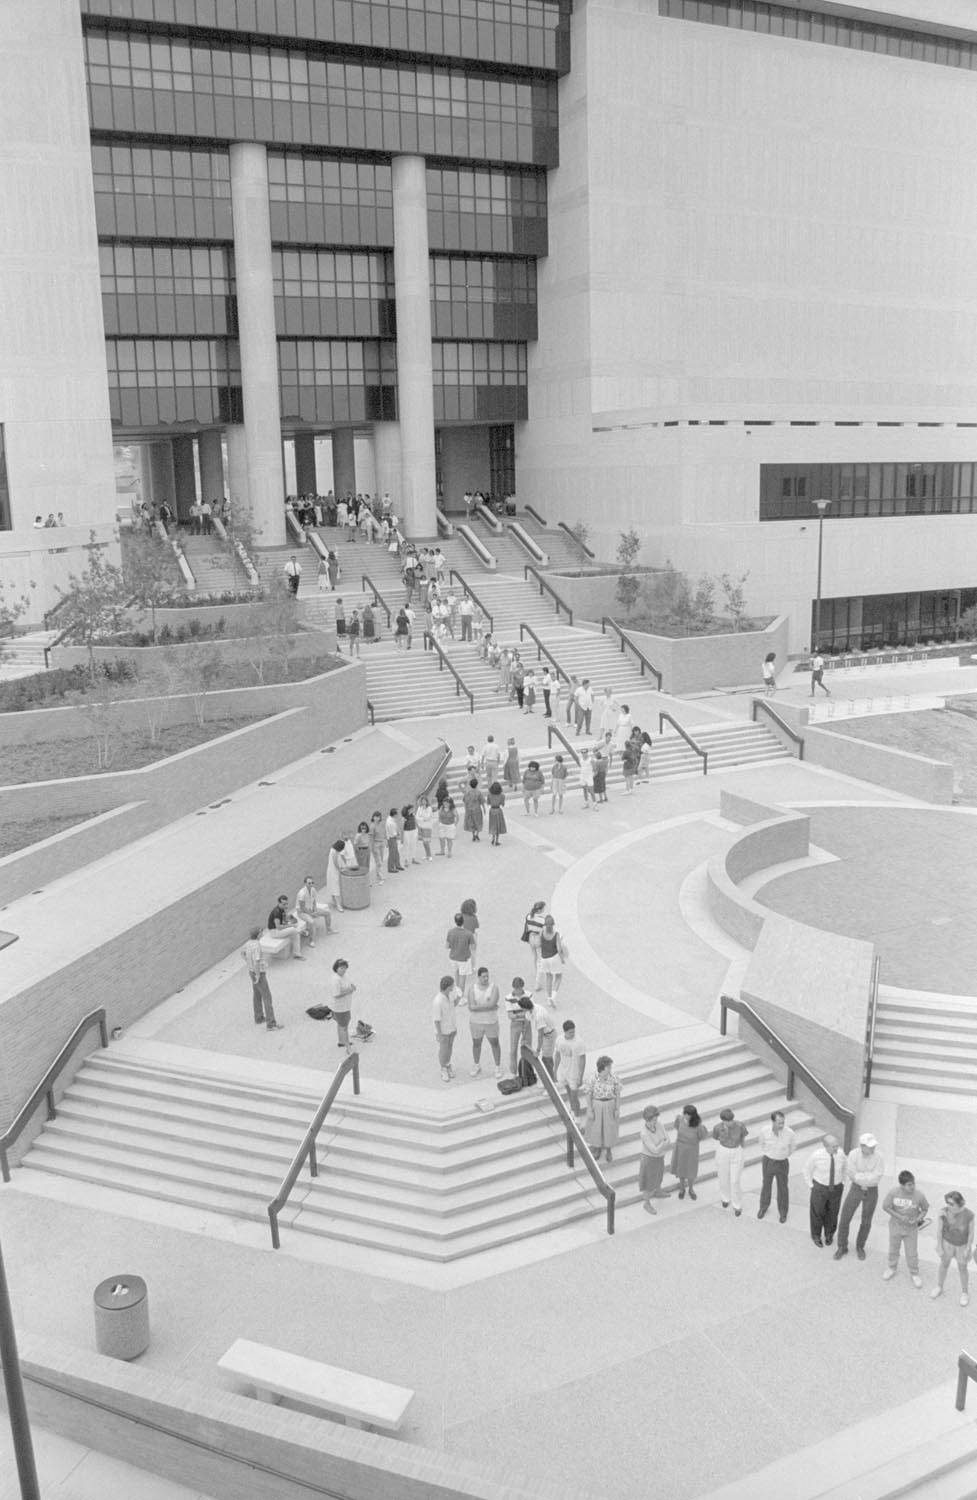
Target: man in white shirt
x=817, y=674
x=584, y=701
x=864, y=1170
x=776, y=1142
x=491, y=759
x=293, y=573
x=307, y=909
x=545, y=1037
x=571, y=1060
x=466, y=610
x=824, y=1173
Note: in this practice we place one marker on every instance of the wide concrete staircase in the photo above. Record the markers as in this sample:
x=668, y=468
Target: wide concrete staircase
x=925, y=1042
x=727, y=746
x=432, y=1186
x=24, y=655
x=215, y=566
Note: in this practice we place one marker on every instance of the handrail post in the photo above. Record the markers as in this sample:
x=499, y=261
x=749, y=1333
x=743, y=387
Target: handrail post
x=356, y=1072
x=276, y=1243
x=313, y=1160
x=723, y=1008
x=966, y=1371
x=4, y=1166
x=52, y=1113
x=610, y=1212
x=790, y=1083
x=569, y=1149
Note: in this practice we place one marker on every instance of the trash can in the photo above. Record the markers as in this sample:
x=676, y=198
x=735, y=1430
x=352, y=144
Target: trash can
x=122, y=1317
x=354, y=888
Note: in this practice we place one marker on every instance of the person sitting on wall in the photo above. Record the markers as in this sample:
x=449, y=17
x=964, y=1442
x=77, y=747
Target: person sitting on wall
x=286, y=924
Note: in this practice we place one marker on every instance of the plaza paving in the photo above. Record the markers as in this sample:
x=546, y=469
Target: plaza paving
x=685, y=1352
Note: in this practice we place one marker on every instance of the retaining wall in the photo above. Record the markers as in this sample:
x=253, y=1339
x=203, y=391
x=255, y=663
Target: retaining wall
x=883, y=765
x=696, y=663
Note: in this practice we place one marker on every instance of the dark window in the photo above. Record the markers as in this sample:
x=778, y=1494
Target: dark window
x=788, y=492
x=165, y=381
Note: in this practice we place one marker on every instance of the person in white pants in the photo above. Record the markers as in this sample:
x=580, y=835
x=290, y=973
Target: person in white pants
x=729, y=1136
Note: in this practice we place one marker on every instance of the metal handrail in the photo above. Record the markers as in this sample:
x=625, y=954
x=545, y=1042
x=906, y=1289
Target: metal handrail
x=528, y=543
x=377, y=596
x=794, y=1065
x=545, y=651
x=532, y=511
x=485, y=557
x=438, y=772
x=627, y=641
x=574, y=1135
x=552, y=729
x=307, y=1149
x=873, y=1001
x=548, y=588
x=453, y=573
x=571, y=533
x=966, y=1371
x=662, y=717
x=781, y=724
x=430, y=644
x=46, y=1086
x=371, y=711
x=489, y=518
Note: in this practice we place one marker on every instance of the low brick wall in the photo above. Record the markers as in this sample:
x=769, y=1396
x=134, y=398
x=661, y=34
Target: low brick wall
x=211, y=1439
x=157, y=957
x=326, y=709
x=696, y=663
x=230, y=648
x=883, y=765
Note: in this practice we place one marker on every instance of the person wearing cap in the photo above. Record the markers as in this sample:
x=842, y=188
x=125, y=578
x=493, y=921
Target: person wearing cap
x=864, y=1170
x=571, y=1060
x=651, y=1169
x=729, y=1136
x=824, y=1173
x=282, y=921
x=907, y=1208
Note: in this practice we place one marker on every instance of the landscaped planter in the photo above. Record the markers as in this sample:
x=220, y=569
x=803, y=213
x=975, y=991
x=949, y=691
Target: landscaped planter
x=696, y=663
x=230, y=648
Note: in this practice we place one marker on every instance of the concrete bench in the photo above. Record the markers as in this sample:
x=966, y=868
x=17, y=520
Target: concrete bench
x=273, y=946
x=362, y=1401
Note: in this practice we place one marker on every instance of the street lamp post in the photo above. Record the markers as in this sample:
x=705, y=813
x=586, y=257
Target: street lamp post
x=16, y=1405
x=822, y=506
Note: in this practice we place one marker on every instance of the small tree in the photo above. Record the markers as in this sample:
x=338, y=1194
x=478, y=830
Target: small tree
x=734, y=594
x=703, y=611
x=98, y=709
x=148, y=567
x=268, y=622
x=155, y=689
x=94, y=603
x=581, y=532
x=201, y=671
x=628, y=547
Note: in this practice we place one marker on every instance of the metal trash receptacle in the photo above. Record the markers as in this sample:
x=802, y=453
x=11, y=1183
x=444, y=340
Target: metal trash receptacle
x=122, y=1317
x=354, y=888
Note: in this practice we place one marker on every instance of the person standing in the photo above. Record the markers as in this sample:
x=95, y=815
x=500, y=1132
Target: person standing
x=354, y=633
x=776, y=1143
x=587, y=780
x=907, y=1208
x=466, y=611
x=445, y=1011
x=510, y=770
x=689, y=1134
x=529, y=691
x=392, y=831
x=558, y=784
x=519, y=1009
x=954, y=1241
x=496, y=805
x=474, y=804
x=553, y=955
x=571, y=1062
x=864, y=1170
x=483, y=1020
x=257, y=967
x=571, y=703
x=342, y=1001
x=491, y=759
x=630, y=760
x=409, y=832
x=401, y=626
x=585, y=706
x=603, y=1110
x=335, y=569
x=607, y=713
x=545, y=1037
x=447, y=826
x=293, y=574
x=546, y=688
x=651, y=1168
x=533, y=782
x=460, y=943
x=601, y=764
x=824, y=1173
x=729, y=1136
x=519, y=681
x=817, y=674
x=770, y=673
x=425, y=824
x=378, y=844
x=531, y=930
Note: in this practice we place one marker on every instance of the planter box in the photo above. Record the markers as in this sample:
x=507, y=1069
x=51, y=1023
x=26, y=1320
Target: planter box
x=696, y=663
x=233, y=648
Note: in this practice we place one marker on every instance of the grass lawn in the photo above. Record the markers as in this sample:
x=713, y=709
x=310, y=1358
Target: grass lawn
x=48, y=760
x=937, y=733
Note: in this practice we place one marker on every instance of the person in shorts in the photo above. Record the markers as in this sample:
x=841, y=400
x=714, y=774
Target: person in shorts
x=460, y=943
x=342, y=1001
x=483, y=1019
x=552, y=957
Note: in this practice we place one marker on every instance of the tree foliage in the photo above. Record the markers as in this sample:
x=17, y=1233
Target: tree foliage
x=149, y=570
x=628, y=586
x=94, y=602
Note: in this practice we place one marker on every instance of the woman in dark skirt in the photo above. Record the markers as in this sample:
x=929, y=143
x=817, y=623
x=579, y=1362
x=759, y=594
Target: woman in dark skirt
x=496, y=802
x=361, y=844
x=689, y=1132
x=369, y=623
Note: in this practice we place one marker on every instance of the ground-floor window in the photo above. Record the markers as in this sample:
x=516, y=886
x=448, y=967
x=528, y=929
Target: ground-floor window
x=502, y=459
x=870, y=621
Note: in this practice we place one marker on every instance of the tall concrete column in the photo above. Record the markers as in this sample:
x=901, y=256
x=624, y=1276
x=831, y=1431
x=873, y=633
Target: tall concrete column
x=387, y=463
x=343, y=461
x=238, y=489
x=161, y=470
x=305, y=476
x=184, y=475
x=211, y=466
x=417, y=501
x=259, y=351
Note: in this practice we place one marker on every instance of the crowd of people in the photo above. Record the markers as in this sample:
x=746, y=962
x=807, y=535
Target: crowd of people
x=40, y=524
